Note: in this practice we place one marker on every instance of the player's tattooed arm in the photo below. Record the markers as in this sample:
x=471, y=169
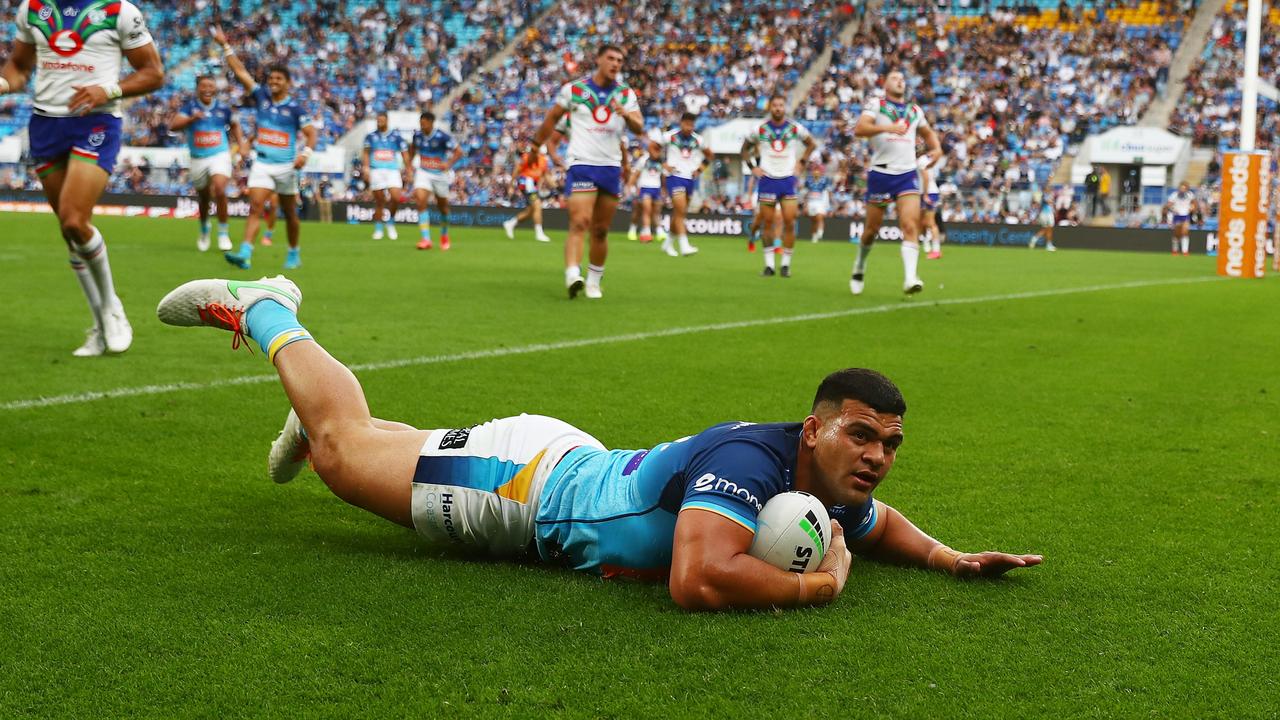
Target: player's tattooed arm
x=17, y=69
x=711, y=569
x=896, y=540
x=749, y=156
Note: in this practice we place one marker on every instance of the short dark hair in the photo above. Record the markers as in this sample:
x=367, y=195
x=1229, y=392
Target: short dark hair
x=863, y=385
x=282, y=70
x=202, y=78
x=606, y=47
x=778, y=95
x=689, y=116
x=427, y=115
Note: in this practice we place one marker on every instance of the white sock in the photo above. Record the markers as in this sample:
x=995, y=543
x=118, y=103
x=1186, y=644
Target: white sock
x=768, y=257
x=632, y=229
x=645, y=231
x=572, y=273
x=684, y=242
x=537, y=229
x=94, y=254
x=1186, y=244
x=786, y=257
x=910, y=258
x=89, y=287
x=595, y=273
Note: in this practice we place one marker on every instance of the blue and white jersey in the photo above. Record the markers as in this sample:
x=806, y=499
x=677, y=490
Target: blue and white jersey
x=385, y=149
x=434, y=149
x=818, y=189
x=614, y=511
x=207, y=136
x=279, y=125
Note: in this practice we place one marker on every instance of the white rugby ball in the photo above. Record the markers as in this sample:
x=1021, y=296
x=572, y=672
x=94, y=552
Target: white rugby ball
x=792, y=532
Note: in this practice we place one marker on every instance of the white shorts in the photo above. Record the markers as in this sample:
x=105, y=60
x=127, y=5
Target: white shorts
x=280, y=177
x=479, y=487
x=436, y=183
x=203, y=169
x=818, y=207
x=384, y=179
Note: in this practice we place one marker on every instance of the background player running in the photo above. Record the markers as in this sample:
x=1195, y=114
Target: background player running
x=212, y=131
x=75, y=130
x=931, y=236
x=385, y=155
x=817, y=195
x=647, y=179
x=890, y=126
x=1181, y=205
x=531, y=168
x=599, y=109
x=281, y=124
x=533, y=486
x=437, y=152
x=684, y=155
x=776, y=154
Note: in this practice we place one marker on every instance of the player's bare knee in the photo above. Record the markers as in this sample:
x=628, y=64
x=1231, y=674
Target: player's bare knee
x=75, y=226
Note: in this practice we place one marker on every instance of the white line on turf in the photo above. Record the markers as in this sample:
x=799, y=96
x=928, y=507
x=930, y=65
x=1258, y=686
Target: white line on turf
x=139, y=391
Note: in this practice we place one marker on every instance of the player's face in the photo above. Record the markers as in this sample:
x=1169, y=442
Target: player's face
x=686, y=126
x=382, y=123
x=610, y=63
x=427, y=125
x=277, y=83
x=205, y=90
x=895, y=84
x=777, y=109
x=1184, y=187
x=853, y=448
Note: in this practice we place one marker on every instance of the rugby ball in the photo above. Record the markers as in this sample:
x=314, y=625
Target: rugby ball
x=792, y=532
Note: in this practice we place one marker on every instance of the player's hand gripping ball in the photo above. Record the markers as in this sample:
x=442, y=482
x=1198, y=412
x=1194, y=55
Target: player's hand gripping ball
x=792, y=532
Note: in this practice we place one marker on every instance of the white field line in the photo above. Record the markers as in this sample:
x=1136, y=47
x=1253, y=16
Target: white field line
x=141, y=390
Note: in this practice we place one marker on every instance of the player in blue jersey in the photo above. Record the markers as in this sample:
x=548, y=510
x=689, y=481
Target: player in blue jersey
x=212, y=132
x=75, y=129
x=533, y=486
x=385, y=157
x=817, y=194
x=283, y=142
x=437, y=152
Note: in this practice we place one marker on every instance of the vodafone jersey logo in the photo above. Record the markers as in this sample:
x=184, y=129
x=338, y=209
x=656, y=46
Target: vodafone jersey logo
x=65, y=42
x=602, y=114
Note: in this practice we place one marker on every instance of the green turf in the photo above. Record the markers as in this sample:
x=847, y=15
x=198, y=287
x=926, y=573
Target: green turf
x=149, y=568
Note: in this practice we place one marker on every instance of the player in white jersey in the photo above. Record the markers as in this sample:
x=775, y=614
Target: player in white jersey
x=646, y=181
x=600, y=109
x=686, y=156
x=891, y=126
x=931, y=236
x=78, y=48
x=1181, y=205
x=771, y=153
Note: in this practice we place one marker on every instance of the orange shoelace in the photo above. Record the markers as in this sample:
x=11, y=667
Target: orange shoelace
x=226, y=318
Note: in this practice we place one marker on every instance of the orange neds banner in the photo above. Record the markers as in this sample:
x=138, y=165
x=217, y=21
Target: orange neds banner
x=1242, y=214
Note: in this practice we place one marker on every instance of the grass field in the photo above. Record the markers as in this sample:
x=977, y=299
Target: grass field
x=1115, y=412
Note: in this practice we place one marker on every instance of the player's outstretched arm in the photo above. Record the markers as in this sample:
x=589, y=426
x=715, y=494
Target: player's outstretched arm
x=233, y=62
x=711, y=570
x=17, y=69
x=896, y=540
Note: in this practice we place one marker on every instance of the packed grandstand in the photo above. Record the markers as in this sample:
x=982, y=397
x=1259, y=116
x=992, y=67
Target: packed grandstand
x=1015, y=91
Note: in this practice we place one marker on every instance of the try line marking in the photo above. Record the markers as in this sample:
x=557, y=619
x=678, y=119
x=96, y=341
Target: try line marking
x=141, y=390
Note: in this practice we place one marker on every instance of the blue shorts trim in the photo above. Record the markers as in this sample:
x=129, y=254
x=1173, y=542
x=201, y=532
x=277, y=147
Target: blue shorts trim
x=593, y=178
x=1179, y=219
x=883, y=188
x=774, y=190
x=647, y=192
x=680, y=185
x=94, y=138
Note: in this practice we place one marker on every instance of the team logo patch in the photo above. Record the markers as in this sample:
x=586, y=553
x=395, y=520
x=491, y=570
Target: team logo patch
x=686, y=152
x=455, y=439
x=96, y=16
x=97, y=136
x=45, y=13
x=602, y=114
x=778, y=144
x=66, y=42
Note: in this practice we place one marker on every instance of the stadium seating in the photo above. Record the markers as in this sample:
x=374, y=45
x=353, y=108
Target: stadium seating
x=1209, y=111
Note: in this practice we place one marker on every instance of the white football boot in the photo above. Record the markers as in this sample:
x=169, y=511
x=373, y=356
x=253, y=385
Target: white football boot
x=223, y=303
x=290, y=451
x=116, y=330
x=913, y=286
x=93, y=345
x=509, y=227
